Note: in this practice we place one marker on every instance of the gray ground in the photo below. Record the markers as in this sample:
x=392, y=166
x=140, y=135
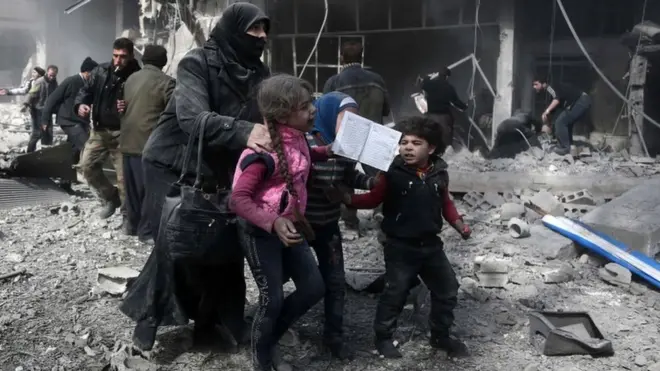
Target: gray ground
x=55, y=318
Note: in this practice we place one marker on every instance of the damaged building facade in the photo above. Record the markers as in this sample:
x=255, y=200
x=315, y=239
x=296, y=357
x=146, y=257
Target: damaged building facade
x=512, y=41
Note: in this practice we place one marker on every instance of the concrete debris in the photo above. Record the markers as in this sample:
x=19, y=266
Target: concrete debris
x=615, y=274
x=582, y=197
x=641, y=205
x=518, y=228
x=641, y=361
x=492, y=273
x=548, y=203
x=113, y=280
x=565, y=273
x=471, y=287
x=511, y=210
x=593, y=260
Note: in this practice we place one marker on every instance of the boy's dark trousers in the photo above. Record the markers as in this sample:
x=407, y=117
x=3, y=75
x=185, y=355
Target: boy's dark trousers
x=270, y=262
x=404, y=260
x=330, y=256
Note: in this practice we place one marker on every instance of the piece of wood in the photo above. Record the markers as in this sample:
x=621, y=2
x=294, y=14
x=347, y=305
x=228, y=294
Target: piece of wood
x=12, y=275
x=598, y=185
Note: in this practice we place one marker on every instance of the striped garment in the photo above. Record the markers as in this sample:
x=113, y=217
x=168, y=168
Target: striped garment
x=320, y=210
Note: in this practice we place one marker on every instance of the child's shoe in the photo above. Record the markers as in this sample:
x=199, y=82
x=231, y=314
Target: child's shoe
x=453, y=347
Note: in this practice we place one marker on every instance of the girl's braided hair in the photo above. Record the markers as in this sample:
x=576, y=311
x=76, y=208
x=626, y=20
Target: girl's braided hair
x=278, y=97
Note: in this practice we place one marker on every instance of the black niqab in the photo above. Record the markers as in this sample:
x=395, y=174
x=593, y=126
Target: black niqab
x=232, y=30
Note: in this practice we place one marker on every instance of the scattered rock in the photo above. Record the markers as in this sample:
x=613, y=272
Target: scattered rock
x=654, y=367
x=107, y=235
x=14, y=258
x=471, y=287
x=565, y=273
x=638, y=289
x=592, y=260
x=615, y=274
x=113, y=280
x=290, y=339
x=532, y=367
x=548, y=203
x=511, y=210
x=640, y=360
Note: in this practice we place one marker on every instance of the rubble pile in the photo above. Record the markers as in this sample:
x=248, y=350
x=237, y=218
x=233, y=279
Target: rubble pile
x=59, y=312
x=536, y=161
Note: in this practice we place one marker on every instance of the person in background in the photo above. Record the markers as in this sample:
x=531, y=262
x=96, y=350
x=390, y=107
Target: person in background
x=369, y=91
x=104, y=91
x=269, y=195
x=440, y=97
x=219, y=79
x=323, y=212
x=415, y=197
x=146, y=93
x=41, y=89
x=36, y=73
x=61, y=102
x=573, y=102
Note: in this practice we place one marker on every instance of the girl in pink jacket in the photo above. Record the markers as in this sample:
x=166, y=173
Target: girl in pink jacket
x=270, y=195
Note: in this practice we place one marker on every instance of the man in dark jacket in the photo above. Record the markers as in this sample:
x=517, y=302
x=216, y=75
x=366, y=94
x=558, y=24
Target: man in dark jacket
x=146, y=93
x=61, y=102
x=440, y=97
x=369, y=91
x=221, y=79
x=104, y=91
x=42, y=88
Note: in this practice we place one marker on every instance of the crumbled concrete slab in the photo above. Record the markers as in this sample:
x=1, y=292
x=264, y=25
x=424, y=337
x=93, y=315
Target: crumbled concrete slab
x=565, y=273
x=548, y=203
x=549, y=244
x=511, y=210
x=113, y=280
x=615, y=274
x=493, y=280
x=633, y=218
x=593, y=260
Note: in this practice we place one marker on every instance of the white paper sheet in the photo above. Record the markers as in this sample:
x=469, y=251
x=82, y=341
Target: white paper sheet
x=366, y=141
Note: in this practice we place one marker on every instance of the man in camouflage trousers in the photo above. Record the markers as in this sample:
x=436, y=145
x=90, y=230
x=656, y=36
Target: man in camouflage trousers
x=102, y=95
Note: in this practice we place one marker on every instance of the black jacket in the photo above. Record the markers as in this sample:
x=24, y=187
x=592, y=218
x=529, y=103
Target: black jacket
x=366, y=87
x=441, y=95
x=412, y=208
x=206, y=82
x=102, y=91
x=61, y=102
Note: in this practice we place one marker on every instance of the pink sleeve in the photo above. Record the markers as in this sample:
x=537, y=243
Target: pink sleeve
x=318, y=154
x=242, y=201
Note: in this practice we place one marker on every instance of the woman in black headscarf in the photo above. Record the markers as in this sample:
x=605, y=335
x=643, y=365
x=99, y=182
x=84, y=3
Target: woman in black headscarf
x=218, y=79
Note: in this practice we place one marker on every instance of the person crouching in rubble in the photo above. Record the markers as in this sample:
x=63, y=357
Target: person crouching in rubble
x=218, y=79
x=323, y=212
x=573, y=102
x=269, y=195
x=415, y=197
x=104, y=91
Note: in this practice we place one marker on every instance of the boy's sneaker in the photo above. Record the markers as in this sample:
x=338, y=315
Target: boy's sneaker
x=453, y=347
x=387, y=349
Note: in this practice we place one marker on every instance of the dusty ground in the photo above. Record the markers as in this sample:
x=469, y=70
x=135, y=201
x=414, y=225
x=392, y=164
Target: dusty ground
x=54, y=319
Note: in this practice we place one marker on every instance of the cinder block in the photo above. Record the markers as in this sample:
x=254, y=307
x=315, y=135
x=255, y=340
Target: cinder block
x=494, y=199
x=511, y=210
x=577, y=211
x=582, y=197
x=548, y=203
x=473, y=199
x=633, y=218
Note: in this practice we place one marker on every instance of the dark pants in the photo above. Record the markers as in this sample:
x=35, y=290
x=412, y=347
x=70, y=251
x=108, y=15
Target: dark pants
x=271, y=262
x=137, y=212
x=567, y=118
x=77, y=136
x=403, y=262
x=37, y=133
x=330, y=256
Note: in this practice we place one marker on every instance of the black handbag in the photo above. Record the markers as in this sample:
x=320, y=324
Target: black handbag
x=196, y=224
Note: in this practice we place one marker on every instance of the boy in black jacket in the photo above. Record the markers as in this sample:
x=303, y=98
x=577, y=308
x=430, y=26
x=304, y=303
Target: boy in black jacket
x=415, y=197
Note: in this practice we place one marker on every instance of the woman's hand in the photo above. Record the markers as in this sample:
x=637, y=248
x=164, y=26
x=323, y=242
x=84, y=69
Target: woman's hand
x=259, y=139
x=286, y=231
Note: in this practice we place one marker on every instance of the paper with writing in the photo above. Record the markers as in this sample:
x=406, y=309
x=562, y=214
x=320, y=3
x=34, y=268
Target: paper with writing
x=367, y=142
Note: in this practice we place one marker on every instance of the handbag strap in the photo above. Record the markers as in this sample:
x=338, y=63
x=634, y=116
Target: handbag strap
x=201, y=124
x=189, y=151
